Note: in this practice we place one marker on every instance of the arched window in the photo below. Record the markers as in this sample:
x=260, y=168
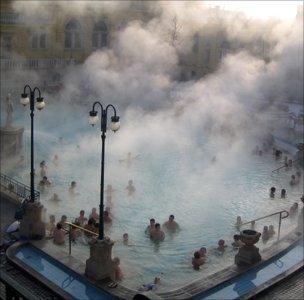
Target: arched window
x=224, y=49
x=196, y=40
x=72, y=35
x=38, y=40
x=100, y=35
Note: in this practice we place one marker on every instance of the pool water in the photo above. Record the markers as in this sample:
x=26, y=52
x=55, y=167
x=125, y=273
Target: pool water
x=60, y=275
x=171, y=176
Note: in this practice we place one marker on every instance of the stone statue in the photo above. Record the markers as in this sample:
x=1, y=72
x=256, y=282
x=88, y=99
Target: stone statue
x=9, y=111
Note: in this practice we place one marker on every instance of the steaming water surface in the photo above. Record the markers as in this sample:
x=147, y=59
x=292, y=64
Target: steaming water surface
x=205, y=197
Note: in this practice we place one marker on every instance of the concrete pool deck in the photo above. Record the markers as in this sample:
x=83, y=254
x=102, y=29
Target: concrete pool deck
x=189, y=290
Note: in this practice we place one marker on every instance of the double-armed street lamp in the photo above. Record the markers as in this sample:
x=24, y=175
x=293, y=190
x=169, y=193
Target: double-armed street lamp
x=40, y=104
x=115, y=124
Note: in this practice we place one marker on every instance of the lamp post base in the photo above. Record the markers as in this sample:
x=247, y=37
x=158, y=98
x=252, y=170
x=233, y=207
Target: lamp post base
x=31, y=225
x=100, y=264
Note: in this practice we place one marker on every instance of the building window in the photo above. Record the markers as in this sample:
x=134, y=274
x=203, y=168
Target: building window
x=6, y=42
x=72, y=35
x=42, y=41
x=195, y=46
x=100, y=35
x=224, y=50
x=207, y=55
x=38, y=41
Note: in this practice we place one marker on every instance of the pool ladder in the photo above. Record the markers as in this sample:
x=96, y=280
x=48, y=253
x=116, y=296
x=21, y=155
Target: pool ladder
x=283, y=214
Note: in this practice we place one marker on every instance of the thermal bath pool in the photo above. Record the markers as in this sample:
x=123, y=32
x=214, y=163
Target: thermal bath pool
x=205, y=197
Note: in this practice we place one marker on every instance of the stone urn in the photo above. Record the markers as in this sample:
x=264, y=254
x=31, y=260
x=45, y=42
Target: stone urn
x=248, y=254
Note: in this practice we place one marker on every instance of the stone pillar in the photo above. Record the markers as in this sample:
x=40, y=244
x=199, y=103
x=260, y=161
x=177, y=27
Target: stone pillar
x=31, y=225
x=100, y=265
x=248, y=254
x=11, y=140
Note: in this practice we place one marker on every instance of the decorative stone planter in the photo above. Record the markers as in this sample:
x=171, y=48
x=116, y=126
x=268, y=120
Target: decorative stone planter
x=100, y=265
x=248, y=254
x=31, y=225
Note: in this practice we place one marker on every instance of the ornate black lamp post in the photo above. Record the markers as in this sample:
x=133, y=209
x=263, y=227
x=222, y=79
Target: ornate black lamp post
x=40, y=104
x=115, y=124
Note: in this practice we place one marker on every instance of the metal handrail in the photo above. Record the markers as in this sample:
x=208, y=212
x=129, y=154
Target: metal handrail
x=283, y=166
x=17, y=187
x=80, y=228
x=281, y=216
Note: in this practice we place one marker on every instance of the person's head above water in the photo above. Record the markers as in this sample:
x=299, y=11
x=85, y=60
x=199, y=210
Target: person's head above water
x=171, y=218
x=196, y=255
x=125, y=236
x=81, y=213
x=273, y=189
x=130, y=182
x=73, y=184
x=63, y=218
x=203, y=250
x=152, y=221
x=221, y=242
x=59, y=226
x=157, y=226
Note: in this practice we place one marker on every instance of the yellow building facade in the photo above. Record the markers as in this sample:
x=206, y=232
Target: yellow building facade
x=61, y=39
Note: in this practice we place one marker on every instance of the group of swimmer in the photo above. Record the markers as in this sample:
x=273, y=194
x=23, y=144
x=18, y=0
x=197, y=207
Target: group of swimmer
x=156, y=232
x=45, y=182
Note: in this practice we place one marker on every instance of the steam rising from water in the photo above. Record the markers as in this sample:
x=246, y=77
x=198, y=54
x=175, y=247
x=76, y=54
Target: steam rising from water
x=138, y=74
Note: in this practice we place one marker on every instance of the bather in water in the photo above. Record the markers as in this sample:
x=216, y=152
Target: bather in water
x=130, y=188
x=157, y=235
x=272, y=192
x=150, y=227
x=197, y=260
x=171, y=225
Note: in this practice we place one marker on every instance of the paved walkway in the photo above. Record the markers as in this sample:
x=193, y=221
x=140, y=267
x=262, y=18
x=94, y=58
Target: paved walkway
x=288, y=289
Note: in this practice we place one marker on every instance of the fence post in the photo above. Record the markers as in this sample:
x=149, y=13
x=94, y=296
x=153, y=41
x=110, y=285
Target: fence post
x=70, y=239
x=280, y=221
